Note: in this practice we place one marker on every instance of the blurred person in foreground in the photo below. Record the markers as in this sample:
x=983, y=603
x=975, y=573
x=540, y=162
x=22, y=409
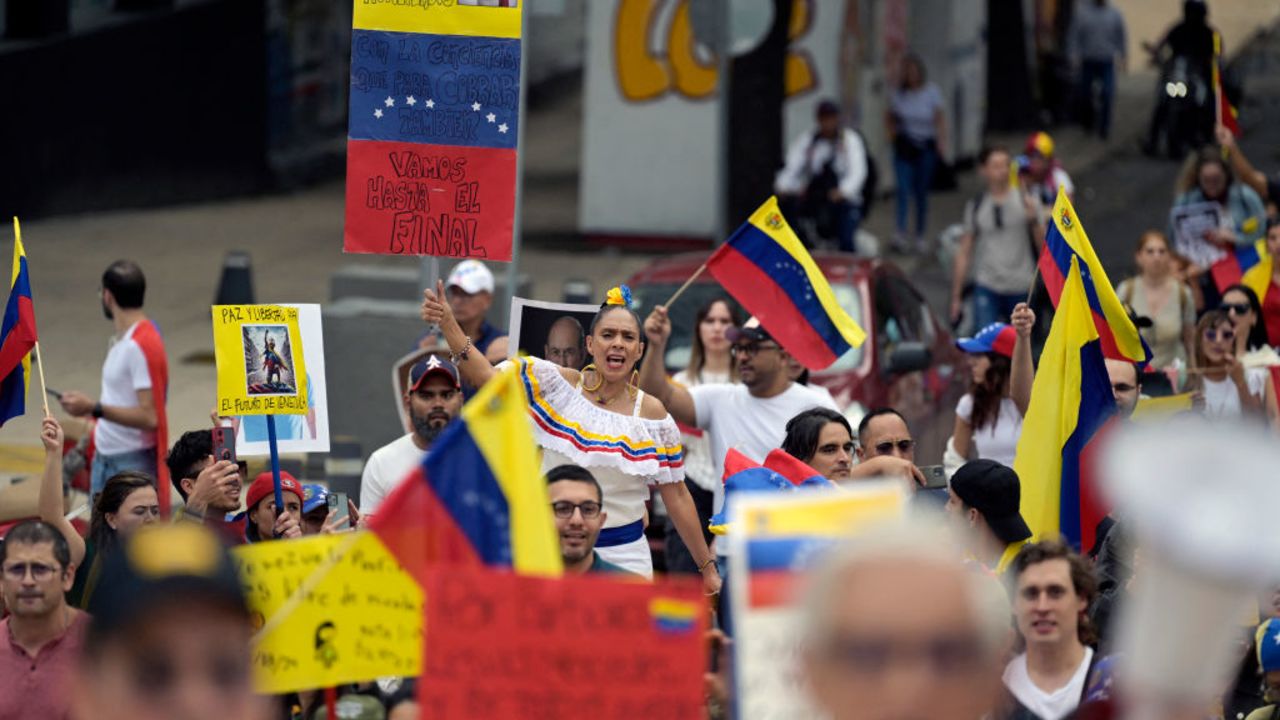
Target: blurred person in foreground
x=895, y=627
x=42, y=635
x=1052, y=590
x=171, y=638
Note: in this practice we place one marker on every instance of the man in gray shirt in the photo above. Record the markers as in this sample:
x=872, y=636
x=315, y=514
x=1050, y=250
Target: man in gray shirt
x=1096, y=40
x=1004, y=231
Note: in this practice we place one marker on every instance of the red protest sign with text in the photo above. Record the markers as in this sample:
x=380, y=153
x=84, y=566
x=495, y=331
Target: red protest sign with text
x=505, y=645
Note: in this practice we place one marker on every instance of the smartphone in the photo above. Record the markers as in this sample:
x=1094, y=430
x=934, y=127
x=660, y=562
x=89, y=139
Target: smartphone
x=338, y=506
x=54, y=393
x=935, y=477
x=224, y=443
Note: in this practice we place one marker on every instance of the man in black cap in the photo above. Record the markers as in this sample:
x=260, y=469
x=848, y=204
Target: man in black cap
x=433, y=400
x=170, y=635
x=824, y=176
x=985, y=496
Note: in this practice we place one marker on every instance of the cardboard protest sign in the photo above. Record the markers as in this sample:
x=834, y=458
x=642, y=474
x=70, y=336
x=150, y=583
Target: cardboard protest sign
x=304, y=433
x=775, y=538
x=331, y=609
x=261, y=366
x=551, y=331
x=433, y=126
x=502, y=645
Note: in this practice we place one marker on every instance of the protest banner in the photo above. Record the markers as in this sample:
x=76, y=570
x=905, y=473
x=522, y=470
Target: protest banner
x=502, y=645
x=261, y=366
x=329, y=609
x=774, y=539
x=297, y=433
x=551, y=331
x=433, y=127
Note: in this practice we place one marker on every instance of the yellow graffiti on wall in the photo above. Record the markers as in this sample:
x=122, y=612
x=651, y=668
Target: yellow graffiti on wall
x=648, y=74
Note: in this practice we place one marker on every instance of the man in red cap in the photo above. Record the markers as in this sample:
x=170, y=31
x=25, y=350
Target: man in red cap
x=261, y=521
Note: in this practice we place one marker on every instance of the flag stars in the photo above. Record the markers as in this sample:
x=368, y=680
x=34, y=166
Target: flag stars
x=377, y=112
x=502, y=128
x=430, y=103
x=491, y=117
x=411, y=101
x=389, y=102
x=475, y=107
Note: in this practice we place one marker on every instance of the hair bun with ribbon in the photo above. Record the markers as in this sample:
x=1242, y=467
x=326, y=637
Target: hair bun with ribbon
x=620, y=295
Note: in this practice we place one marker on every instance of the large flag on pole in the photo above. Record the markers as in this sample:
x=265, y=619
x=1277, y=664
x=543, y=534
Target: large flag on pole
x=1066, y=240
x=17, y=335
x=480, y=497
x=1070, y=401
x=765, y=267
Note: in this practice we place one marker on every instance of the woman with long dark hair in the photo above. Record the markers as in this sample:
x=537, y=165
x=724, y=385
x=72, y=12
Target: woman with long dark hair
x=989, y=417
x=127, y=502
x=1241, y=304
x=1228, y=389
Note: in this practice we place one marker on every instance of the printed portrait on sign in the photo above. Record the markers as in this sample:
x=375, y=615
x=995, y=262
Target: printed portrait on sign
x=268, y=360
x=552, y=331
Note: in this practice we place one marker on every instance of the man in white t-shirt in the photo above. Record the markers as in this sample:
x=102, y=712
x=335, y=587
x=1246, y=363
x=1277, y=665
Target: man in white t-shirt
x=433, y=400
x=1053, y=587
x=750, y=416
x=130, y=431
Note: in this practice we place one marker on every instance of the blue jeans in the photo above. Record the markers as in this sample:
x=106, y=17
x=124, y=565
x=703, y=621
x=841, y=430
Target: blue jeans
x=106, y=467
x=914, y=177
x=990, y=306
x=1103, y=74
x=850, y=216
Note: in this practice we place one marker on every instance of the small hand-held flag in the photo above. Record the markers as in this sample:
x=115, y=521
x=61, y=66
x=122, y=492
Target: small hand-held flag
x=17, y=335
x=765, y=267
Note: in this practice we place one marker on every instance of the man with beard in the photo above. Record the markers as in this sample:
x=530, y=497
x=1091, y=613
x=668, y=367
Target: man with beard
x=433, y=401
x=130, y=432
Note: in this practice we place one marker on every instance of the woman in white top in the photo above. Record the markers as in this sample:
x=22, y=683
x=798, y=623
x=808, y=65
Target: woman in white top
x=917, y=126
x=710, y=363
x=989, y=416
x=599, y=419
x=1157, y=293
x=1227, y=387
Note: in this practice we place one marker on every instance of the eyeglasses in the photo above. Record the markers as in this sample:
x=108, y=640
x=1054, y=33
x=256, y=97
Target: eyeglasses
x=945, y=655
x=1123, y=387
x=564, y=509
x=751, y=350
x=903, y=446
x=1237, y=308
x=39, y=571
x=1213, y=335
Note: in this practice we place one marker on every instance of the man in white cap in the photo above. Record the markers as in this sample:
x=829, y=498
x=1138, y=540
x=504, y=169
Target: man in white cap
x=469, y=290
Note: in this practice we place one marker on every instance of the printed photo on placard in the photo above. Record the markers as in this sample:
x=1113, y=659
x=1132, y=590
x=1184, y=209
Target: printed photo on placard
x=555, y=332
x=296, y=433
x=268, y=360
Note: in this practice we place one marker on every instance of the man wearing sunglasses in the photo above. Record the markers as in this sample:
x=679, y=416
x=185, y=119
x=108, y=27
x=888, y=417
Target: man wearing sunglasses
x=41, y=638
x=886, y=448
x=577, y=502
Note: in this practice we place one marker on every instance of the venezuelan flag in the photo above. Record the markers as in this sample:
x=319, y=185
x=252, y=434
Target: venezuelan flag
x=1066, y=240
x=765, y=267
x=479, y=498
x=673, y=616
x=1231, y=269
x=1071, y=400
x=17, y=335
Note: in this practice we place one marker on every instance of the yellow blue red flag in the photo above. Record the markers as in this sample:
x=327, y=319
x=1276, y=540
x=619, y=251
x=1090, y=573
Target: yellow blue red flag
x=1066, y=239
x=765, y=267
x=17, y=335
x=1071, y=400
x=479, y=498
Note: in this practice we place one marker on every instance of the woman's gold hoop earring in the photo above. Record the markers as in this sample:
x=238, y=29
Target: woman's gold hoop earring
x=599, y=378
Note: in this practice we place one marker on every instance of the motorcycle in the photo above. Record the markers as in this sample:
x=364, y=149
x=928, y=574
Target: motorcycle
x=1183, y=119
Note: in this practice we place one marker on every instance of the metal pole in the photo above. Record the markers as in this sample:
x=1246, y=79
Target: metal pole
x=517, y=224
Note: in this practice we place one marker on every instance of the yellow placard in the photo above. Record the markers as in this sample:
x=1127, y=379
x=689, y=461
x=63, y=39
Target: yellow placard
x=829, y=514
x=439, y=17
x=330, y=609
x=261, y=370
